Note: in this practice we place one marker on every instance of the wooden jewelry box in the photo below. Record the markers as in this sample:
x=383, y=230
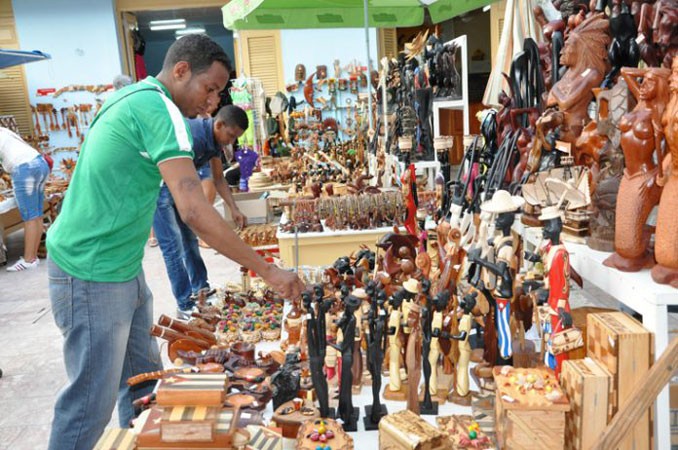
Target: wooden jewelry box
x=405, y=430
x=205, y=389
x=193, y=428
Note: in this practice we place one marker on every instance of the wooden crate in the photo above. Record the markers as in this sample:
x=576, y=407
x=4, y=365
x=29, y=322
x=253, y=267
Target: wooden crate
x=529, y=420
x=405, y=430
x=588, y=387
x=204, y=389
x=621, y=345
x=579, y=320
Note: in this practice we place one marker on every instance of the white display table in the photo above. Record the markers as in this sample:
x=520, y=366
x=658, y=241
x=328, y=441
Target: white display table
x=635, y=290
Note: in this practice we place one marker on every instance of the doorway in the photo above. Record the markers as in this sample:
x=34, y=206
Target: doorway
x=146, y=33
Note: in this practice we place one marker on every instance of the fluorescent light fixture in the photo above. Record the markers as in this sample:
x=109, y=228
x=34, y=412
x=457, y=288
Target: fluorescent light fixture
x=171, y=24
x=167, y=22
x=190, y=30
x=486, y=8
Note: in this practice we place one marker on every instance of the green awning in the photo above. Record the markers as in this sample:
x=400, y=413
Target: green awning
x=285, y=14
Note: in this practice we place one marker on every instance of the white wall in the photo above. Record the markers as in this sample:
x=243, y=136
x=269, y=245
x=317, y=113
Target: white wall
x=314, y=47
x=80, y=35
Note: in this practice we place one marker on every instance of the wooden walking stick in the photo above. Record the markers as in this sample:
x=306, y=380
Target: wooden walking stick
x=641, y=399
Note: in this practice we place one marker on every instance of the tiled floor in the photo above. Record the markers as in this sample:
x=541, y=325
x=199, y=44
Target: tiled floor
x=30, y=343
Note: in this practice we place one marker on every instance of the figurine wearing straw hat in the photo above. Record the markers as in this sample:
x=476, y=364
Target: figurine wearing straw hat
x=555, y=290
x=504, y=206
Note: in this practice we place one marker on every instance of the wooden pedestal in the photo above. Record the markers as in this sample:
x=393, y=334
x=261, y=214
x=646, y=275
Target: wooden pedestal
x=528, y=419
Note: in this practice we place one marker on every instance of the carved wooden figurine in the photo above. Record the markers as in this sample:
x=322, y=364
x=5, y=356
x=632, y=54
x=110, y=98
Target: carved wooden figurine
x=376, y=346
x=639, y=192
x=555, y=289
x=585, y=56
x=394, y=388
x=666, y=244
x=347, y=324
x=461, y=394
x=293, y=324
x=504, y=267
x=427, y=406
x=316, y=336
x=413, y=357
x=439, y=305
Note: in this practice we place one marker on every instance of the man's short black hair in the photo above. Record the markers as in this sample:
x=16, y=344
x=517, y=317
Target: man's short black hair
x=199, y=51
x=233, y=115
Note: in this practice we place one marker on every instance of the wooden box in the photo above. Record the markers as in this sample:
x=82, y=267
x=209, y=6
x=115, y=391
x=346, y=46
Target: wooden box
x=291, y=422
x=340, y=441
x=405, y=430
x=457, y=429
x=579, y=316
x=264, y=438
x=588, y=386
x=529, y=418
x=204, y=389
x=198, y=422
x=226, y=433
x=116, y=439
x=621, y=345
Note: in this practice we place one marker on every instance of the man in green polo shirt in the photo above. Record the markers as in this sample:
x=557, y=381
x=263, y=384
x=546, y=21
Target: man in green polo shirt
x=100, y=300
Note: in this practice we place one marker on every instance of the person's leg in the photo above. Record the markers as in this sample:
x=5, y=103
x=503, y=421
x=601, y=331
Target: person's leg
x=195, y=266
x=169, y=238
x=29, y=183
x=209, y=189
x=95, y=320
x=32, y=233
x=142, y=354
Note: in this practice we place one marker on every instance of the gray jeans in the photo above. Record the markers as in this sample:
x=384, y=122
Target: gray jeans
x=106, y=340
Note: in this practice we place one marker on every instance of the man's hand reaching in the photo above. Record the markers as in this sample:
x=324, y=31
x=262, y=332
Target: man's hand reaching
x=239, y=218
x=284, y=283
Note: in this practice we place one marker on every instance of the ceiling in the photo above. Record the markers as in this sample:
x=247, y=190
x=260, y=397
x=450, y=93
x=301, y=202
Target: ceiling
x=193, y=16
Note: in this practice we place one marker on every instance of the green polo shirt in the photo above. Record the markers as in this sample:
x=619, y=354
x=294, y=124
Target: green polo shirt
x=108, y=209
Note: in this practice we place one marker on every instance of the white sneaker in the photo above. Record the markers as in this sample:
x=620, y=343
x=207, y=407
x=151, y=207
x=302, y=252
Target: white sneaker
x=23, y=265
x=186, y=314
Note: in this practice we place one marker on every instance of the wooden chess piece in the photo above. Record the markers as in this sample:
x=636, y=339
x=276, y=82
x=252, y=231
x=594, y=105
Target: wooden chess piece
x=639, y=192
x=346, y=412
x=666, y=245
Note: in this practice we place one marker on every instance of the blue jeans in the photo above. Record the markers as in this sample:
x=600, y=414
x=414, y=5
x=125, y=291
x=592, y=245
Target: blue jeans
x=179, y=246
x=29, y=187
x=106, y=341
